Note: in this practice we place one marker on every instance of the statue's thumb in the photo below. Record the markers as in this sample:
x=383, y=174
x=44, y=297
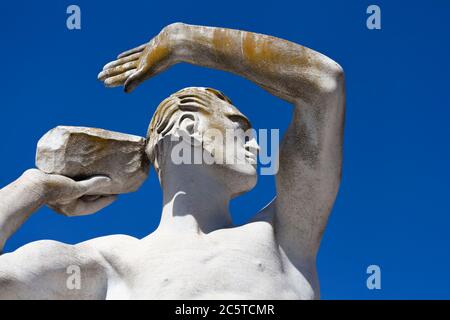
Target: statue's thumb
x=133, y=81
x=95, y=185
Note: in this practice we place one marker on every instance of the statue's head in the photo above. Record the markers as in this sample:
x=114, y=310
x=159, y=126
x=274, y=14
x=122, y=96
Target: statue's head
x=200, y=127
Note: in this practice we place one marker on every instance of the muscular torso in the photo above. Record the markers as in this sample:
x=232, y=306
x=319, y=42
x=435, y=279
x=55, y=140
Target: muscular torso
x=238, y=263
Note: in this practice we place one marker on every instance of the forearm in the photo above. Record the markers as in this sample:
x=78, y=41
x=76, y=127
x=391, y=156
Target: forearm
x=18, y=201
x=284, y=68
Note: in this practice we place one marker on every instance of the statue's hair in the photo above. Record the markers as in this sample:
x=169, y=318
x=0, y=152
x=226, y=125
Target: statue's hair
x=195, y=99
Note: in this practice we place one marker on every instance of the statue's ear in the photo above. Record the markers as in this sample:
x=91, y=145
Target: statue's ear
x=188, y=122
x=187, y=126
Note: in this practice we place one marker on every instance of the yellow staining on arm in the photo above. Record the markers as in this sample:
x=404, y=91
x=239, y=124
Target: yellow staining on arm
x=282, y=67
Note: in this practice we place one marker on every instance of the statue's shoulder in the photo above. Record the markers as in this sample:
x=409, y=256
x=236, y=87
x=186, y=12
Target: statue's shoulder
x=110, y=242
x=112, y=248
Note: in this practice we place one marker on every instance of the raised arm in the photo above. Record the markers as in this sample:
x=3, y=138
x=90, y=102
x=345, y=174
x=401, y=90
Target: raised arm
x=310, y=158
x=284, y=68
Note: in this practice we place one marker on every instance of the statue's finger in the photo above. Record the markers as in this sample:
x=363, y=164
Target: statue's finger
x=117, y=70
x=90, y=197
x=118, y=62
x=119, y=79
x=89, y=207
x=134, y=80
x=131, y=51
x=94, y=185
x=81, y=207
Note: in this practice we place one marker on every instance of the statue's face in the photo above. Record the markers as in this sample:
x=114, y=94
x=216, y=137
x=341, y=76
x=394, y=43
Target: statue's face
x=218, y=133
x=228, y=144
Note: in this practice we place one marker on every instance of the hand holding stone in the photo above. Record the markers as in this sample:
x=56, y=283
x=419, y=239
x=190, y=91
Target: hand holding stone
x=70, y=197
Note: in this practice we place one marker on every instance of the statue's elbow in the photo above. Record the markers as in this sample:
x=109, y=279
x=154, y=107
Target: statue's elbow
x=331, y=78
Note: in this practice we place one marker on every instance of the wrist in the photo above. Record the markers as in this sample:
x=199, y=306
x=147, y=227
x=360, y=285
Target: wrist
x=35, y=182
x=176, y=35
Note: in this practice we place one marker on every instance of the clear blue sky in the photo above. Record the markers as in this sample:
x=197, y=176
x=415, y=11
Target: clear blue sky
x=392, y=209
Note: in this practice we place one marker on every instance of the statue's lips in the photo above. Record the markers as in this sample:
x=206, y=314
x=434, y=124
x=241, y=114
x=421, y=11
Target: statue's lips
x=250, y=155
x=251, y=151
x=250, y=158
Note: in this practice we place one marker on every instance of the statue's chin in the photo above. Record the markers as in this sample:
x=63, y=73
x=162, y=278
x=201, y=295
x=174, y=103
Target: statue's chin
x=240, y=178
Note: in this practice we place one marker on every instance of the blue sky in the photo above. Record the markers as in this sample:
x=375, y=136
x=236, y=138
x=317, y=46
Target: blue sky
x=392, y=209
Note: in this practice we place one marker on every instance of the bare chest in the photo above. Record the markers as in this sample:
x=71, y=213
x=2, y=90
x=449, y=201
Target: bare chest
x=238, y=263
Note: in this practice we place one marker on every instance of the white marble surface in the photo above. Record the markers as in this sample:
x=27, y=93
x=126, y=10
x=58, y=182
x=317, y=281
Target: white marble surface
x=196, y=252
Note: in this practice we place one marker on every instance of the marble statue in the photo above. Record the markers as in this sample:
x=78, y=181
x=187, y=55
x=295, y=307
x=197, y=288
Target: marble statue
x=196, y=252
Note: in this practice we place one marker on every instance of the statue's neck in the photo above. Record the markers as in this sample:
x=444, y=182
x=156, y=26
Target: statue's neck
x=193, y=202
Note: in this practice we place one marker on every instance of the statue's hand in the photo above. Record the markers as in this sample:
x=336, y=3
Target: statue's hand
x=70, y=197
x=138, y=64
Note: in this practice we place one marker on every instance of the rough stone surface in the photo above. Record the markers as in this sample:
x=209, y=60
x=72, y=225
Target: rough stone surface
x=79, y=153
